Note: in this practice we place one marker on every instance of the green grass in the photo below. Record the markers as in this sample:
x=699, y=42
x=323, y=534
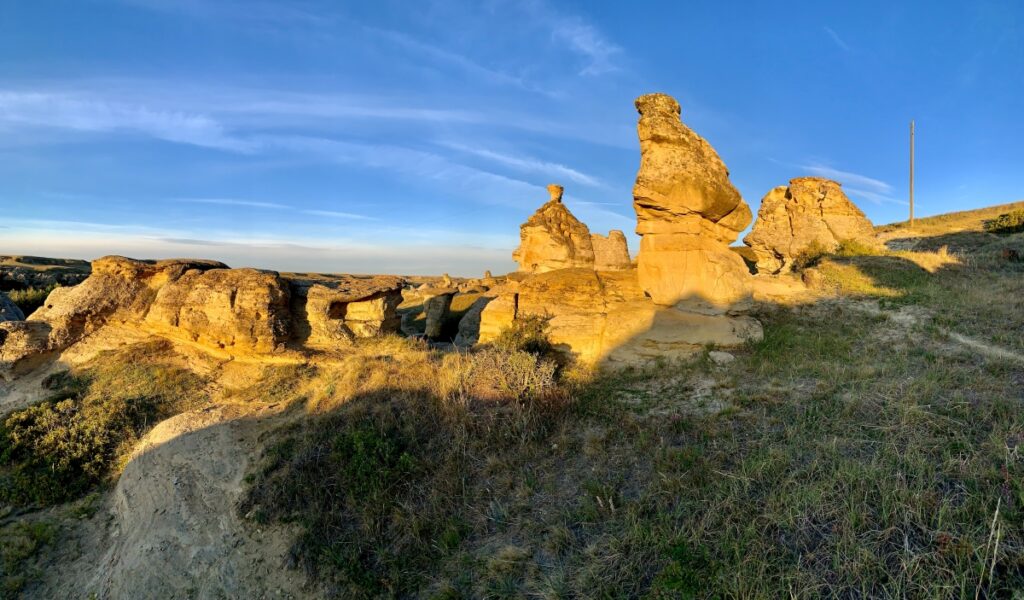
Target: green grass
x=28, y=300
x=65, y=446
x=20, y=542
x=854, y=454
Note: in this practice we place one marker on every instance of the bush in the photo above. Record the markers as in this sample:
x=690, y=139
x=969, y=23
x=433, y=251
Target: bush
x=526, y=334
x=1011, y=222
x=28, y=300
x=809, y=256
x=857, y=248
x=61, y=448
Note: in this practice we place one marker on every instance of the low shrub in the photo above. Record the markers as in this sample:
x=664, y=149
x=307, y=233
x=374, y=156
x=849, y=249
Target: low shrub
x=1011, y=222
x=809, y=256
x=855, y=247
x=29, y=299
x=63, y=447
x=527, y=334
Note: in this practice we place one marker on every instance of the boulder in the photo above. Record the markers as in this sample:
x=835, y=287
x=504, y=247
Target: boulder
x=436, y=303
x=328, y=312
x=552, y=238
x=688, y=212
x=610, y=253
x=22, y=343
x=118, y=290
x=9, y=311
x=469, y=324
x=238, y=310
x=809, y=211
x=605, y=317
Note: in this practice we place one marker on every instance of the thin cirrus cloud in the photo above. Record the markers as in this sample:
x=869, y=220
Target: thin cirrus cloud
x=87, y=114
x=277, y=206
x=526, y=164
x=861, y=186
x=838, y=40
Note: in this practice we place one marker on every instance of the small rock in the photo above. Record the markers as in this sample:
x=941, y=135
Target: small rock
x=721, y=358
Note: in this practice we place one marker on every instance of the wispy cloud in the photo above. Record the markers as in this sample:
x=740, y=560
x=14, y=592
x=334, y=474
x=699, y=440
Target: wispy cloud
x=527, y=164
x=421, y=50
x=54, y=110
x=234, y=202
x=589, y=42
x=873, y=197
x=848, y=178
x=339, y=215
x=838, y=40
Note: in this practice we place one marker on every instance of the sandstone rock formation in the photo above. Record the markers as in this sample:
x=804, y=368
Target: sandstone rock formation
x=329, y=311
x=240, y=311
x=436, y=303
x=606, y=317
x=811, y=210
x=610, y=253
x=119, y=290
x=9, y=311
x=552, y=238
x=228, y=309
x=688, y=212
x=469, y=324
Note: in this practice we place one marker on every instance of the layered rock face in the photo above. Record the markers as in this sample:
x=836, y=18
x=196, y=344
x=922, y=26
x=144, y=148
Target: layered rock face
x=9, y=311
x=229, y=309
x=552, y=238
x=240, y=311
x=606, y=317
x=436, y=303
x=329, y=312
x=688, y=212
x=610, y=253
x=811, y=210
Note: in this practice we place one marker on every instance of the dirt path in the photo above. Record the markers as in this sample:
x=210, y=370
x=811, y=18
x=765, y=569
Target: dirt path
x=170, y=528
x=985, y=349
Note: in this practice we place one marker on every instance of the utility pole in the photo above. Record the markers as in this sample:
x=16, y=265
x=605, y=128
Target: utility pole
x=911, y=173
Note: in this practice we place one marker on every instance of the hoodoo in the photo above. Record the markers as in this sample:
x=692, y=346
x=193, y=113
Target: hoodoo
x=688, y=212
x=811, y=210
x=552, y=238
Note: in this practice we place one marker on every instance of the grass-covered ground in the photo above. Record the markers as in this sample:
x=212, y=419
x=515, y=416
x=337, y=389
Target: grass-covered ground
x=859, y=450
x=872, y=445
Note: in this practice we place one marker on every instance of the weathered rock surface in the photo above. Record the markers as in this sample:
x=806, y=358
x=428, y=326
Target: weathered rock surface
x=119, y=289
x=241, y=310
x=552, y=238
x=606, y=317
x=469, y=324
x=337, y=310
x=9, y=311
x=610, y=253
x=436, y=303
x=811, y=210
x=688, y=212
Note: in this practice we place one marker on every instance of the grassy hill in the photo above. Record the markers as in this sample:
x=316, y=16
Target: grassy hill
x=872, y=445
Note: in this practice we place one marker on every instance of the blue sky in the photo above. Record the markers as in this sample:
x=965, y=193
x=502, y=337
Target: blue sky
x=415, y=137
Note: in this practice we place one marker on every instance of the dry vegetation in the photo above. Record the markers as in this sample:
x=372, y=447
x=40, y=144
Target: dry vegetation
x=860, y=450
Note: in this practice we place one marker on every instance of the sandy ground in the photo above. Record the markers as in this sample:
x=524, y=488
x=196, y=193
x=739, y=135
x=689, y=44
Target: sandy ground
x=170, y=528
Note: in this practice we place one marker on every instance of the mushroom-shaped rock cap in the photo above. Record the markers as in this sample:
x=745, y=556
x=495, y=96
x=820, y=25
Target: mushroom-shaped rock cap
x=651, y=104
x=556, y=192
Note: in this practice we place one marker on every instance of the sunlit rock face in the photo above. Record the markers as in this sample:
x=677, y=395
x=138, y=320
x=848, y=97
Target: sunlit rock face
x=688, y=212
x=605, y=317
x=552, y=238
x=241, y=310
x=610, y=253
x=810, y=210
